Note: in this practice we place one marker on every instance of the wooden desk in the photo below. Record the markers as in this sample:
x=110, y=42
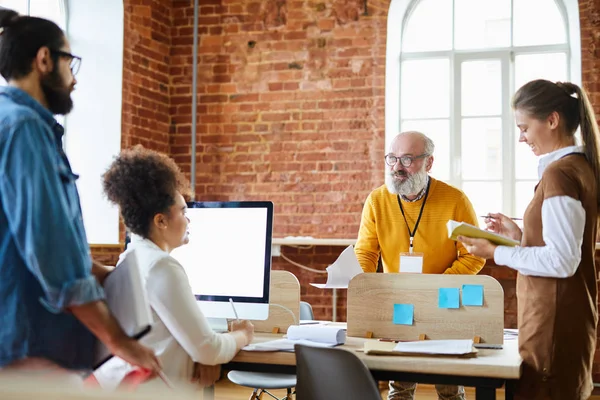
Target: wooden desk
x=490, y=370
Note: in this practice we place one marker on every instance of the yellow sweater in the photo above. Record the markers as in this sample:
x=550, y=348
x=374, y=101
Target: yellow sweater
x=383, y=230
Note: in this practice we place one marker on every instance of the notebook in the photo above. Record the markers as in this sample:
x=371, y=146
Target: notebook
x=456, y=229
x=128, y=302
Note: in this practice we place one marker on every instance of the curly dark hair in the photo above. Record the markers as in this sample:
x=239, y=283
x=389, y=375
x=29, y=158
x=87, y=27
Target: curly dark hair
x=143, y=183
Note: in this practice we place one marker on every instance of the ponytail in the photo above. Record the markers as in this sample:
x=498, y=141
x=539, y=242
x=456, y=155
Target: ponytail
x=589, y=134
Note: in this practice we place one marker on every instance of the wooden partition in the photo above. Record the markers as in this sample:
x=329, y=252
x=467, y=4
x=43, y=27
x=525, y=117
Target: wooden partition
x=371, y=299
x=285, y=291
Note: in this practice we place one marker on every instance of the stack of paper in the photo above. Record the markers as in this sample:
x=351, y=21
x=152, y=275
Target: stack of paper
x=511, y=334
x=311, y=335
x=456, y=229
x=341, y=271
x=457, y=348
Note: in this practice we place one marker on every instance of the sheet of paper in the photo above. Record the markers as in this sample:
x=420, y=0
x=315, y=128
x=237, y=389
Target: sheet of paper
x=449, y=347
x=472, y=295
x=403, y=314
x=511, y=334
x=341, y=271
x=412, y=263
x=283, y=345
x=448, y=298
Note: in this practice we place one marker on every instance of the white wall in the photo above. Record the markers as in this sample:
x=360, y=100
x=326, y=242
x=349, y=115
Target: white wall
x=93, y=138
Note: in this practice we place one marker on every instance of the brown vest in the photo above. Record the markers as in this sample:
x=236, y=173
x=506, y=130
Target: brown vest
x=558, y=316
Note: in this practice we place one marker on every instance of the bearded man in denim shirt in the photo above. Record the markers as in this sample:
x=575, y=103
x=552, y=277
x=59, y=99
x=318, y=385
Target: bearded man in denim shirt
x=51, y=298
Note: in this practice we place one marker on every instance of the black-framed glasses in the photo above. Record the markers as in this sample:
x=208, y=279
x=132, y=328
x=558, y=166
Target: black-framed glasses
x=405, y=160
x=75, y=60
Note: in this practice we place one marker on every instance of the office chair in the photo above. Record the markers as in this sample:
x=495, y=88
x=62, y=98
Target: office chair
x=332, y=374
x=260, y=382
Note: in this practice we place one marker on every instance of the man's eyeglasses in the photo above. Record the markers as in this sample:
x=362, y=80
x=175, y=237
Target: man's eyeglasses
x=406, y=161
x=75, y=60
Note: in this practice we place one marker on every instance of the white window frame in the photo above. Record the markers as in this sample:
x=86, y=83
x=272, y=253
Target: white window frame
x=400, y=10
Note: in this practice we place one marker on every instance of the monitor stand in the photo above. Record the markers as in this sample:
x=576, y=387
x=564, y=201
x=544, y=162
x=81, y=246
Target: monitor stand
x=218, y=325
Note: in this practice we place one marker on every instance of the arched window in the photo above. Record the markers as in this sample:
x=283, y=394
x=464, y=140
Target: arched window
x=452, y=76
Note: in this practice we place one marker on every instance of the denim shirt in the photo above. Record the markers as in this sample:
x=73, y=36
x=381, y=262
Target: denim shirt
x=45, y=263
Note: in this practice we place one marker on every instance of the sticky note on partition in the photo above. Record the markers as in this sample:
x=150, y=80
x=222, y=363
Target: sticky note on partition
x=449, y=298
x=403, y=314
x=472, y=295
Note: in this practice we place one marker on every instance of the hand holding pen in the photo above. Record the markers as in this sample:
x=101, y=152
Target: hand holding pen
x=241, y=325
x=503, y=225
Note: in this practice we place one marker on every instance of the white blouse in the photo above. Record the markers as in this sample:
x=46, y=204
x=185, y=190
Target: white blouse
x=181, y=334
x=563, y=224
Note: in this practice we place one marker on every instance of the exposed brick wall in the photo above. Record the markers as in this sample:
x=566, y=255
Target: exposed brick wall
x=147, y=44
x=291, y=98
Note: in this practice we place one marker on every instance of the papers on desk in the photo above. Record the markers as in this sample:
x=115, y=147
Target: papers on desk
x=341, y=271
x=457, y=348
x=310, y=335
x=511, y=334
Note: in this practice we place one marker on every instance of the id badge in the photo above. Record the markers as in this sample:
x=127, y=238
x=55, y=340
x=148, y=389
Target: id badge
x=411, y=263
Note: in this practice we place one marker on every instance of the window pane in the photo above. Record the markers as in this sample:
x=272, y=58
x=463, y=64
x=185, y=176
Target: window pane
x=429, y=27
x=481, y=24
x=425, y=89
x=439, y=132
x=523, y=195
x=526, y=163
x=481, y=88
x=486, y=197
x=551, y=66
x=19, y=6
x=537, y=22
x=48, y=9
x=481, y=143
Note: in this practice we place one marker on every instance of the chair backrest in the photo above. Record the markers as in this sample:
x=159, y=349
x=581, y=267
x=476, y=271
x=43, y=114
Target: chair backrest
x=330, y=374
x=306, y=311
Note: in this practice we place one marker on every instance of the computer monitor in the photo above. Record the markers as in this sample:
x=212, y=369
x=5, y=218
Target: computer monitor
x=229, y=257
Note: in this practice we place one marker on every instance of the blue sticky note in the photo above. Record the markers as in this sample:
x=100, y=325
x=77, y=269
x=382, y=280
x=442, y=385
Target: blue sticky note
x=403, y=314
x=449, y=298
x=472, y=295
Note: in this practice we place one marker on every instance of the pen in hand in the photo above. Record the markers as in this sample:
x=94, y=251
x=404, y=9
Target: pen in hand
x=234, y=310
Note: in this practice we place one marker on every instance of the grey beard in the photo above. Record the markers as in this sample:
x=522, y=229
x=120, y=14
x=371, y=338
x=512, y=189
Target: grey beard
x=410, y=186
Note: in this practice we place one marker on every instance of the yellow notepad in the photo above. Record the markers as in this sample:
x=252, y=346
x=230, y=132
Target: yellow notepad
x=456, y=229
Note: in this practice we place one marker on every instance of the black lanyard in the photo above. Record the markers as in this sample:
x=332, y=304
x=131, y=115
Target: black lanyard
x=412, y=234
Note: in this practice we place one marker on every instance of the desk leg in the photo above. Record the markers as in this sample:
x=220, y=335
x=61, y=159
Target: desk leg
x=334, y=305
x=485, y=393
x=509, y=390
x=209, y=392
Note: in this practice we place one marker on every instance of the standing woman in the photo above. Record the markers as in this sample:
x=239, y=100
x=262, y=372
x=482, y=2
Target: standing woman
x=556, y=282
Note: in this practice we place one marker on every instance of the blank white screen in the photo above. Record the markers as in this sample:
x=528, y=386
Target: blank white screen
x=226, y=252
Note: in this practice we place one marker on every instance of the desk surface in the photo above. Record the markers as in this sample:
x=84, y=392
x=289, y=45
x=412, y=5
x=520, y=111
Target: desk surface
x=503, y=364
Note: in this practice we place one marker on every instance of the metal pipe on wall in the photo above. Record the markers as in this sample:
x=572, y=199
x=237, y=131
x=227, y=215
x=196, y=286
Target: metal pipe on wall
x=194, y=101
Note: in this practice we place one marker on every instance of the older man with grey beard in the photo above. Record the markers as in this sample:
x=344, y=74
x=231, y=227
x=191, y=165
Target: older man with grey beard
x=404, y=223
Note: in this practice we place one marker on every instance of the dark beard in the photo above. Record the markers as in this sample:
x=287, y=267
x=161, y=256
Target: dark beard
x=58, y=96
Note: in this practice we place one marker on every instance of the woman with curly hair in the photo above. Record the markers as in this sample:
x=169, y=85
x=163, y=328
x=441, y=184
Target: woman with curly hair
x=149, y=189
